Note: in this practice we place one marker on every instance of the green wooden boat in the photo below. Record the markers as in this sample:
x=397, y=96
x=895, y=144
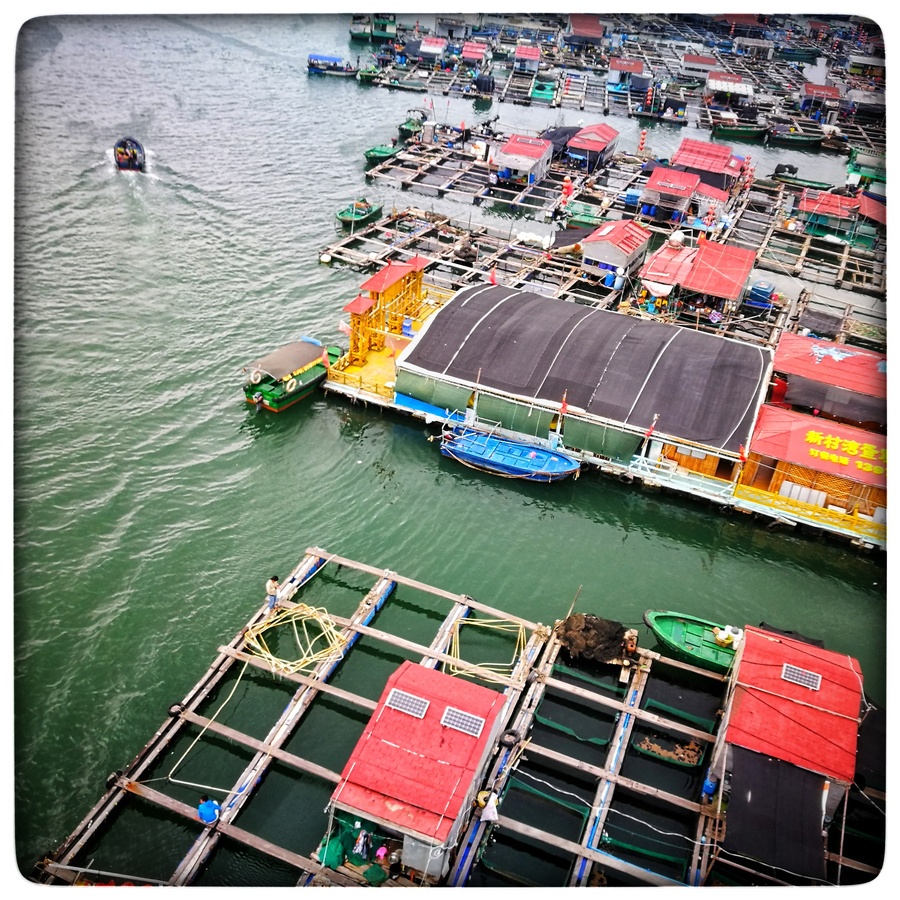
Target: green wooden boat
x=737, y=132
x=360, y=212
x=784, y=137
x=695, y=640
x=381, y=152
x=286, y=376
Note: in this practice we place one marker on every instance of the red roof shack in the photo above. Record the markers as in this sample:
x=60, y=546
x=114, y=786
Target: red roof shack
x=787, y=748
x=417, y=767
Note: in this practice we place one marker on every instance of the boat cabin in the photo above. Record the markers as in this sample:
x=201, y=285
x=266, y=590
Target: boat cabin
x=416, y=770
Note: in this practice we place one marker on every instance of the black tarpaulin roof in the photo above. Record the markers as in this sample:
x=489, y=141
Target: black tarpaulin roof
x=775, y=815
x=705, y=389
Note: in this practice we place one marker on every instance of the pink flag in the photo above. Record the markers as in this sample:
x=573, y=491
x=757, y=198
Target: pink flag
x=343, y=327
x=493, y=276
x=325, y=357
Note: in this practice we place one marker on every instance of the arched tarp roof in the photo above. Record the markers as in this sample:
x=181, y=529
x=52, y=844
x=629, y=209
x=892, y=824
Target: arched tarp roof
x=705, y=389
x=287, y=359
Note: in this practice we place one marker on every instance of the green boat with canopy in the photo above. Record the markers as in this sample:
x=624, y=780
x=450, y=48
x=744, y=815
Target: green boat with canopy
x=700, y=642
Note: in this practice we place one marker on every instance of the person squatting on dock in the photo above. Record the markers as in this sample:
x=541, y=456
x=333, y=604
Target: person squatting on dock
x=208, y=810
x=272, y=591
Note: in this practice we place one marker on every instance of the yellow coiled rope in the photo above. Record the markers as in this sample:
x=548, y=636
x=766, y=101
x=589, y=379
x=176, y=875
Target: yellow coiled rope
x=315, y=635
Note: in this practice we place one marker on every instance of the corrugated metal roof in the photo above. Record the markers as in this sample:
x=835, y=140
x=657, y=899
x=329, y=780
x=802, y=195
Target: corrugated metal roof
x=720, y=270
x=388, y=276
x=417, y=773
x=673, y=181
x=705, y=156
x=625, y=234
x=593, y=137
x=827, y=362
x=813, y=729
x=824, y=203
x=520, y=145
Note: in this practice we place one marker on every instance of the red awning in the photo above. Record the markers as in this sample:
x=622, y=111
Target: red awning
x=826, y=362
x=821, y=444
x=360, y=304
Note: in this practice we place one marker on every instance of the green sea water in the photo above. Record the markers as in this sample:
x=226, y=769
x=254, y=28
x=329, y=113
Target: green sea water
x=151, y=502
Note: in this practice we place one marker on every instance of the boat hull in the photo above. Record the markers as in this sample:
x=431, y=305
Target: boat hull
x=508, y=458
x=273, y=395
x=351, y=216
x=690, y=639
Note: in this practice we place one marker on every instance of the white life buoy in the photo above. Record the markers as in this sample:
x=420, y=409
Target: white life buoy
x=291, y=386
x=256, y=377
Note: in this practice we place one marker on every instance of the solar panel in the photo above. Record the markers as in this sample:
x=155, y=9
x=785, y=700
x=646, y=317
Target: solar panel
x=408, y=703
x=462, y=721
x=803, y=677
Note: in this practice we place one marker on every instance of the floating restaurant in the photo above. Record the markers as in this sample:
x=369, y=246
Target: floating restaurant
x=569, y=756
x=667, y=406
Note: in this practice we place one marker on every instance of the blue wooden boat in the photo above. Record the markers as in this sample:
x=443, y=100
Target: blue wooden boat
x=483, y=449
x=317, y=64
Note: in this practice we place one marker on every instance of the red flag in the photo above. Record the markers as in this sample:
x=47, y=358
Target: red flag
x=564, y=407
x=652, y=427
x=742, y=453
x=325, y=357
x=343, y=327
x=493, y=276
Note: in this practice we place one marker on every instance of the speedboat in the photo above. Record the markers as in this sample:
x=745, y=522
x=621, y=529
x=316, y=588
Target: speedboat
x=129, y=155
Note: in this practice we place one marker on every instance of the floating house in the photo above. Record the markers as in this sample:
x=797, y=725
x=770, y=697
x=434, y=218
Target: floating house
x=784, y=758
x=523, y=160
x=585, y=32
x=615, y=251
x=756, y=48
x=696, y=66
x=527, y=58
x=592, y=147
x=624, y=74
x=432, y=50
x=668, y=194
x=726, y=90
x=704, y=284
x=714, y=163
x=476, y=55
x=418, y=765
x=821, y=99
x=825, y=214
x=523, y=353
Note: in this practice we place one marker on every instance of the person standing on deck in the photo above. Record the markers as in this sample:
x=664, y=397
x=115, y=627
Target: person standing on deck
x=272, y=591
x=208, y=810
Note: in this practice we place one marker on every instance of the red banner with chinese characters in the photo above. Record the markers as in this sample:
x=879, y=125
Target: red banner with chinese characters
x=821, y=444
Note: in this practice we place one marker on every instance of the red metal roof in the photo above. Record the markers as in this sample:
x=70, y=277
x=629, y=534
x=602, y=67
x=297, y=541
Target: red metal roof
x=700, y=60
x=473, y=50
x=714, y=193
x=433, y=43
x=586, y=25
x=740, y=18
x=389, y=275
x=418, y=263
x=705, y=156
x=593, y=137
x=815, y=730
x=524, y=51
x=626, y=234
x=533, y=148
x=873, y=209
x=720, y=270
x=821, y=444
x=668, y=265
x=618, y=64
x=823, y=203
x=825, y=91
x=360, y=304
x=725, y=76
x=416, y=773
x=827, y=362
x=673, y=181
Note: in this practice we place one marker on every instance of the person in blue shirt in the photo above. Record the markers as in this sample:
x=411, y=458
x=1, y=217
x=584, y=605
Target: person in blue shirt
x=208, y=810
